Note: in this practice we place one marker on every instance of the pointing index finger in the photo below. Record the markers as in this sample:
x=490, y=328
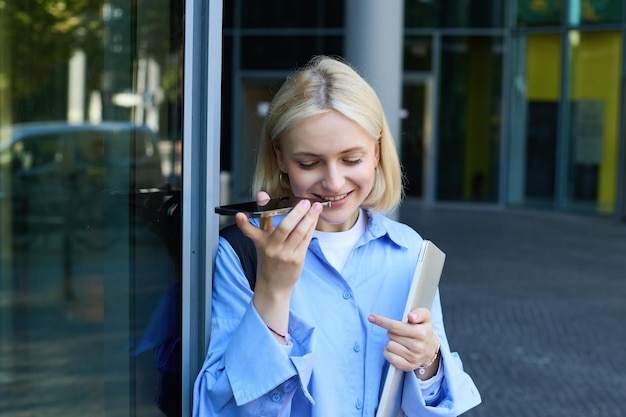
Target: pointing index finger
x=390, y=325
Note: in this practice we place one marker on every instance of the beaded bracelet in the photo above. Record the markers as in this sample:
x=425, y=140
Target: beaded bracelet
x=284, y=336
x=422, y=369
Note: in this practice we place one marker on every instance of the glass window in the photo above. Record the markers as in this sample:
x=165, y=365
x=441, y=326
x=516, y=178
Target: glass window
x=419, y=14
x=292, y=14
x=594, y=103
x=415, y=135
x=576, y=168
x=228, y=14
x=538, y=13
x=286, y=52
x=257, y=93
x=90, y=139
x=469, y=119
x=595, y=11
x=535, y=95
x=418, y=53
x=454, y=13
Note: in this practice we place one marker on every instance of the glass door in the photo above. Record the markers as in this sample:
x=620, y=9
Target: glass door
x=595, y=68
x=534, y=115
x=90, y=145
x=564, y=121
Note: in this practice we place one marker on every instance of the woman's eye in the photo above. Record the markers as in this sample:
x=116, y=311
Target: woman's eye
x=307, y=165
x=313, y=164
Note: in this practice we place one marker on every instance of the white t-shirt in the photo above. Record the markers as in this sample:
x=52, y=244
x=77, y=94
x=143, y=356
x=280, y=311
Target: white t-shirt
x=337, y=246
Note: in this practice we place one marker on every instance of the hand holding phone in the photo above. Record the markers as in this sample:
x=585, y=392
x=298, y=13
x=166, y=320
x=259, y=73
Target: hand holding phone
x=268, y=208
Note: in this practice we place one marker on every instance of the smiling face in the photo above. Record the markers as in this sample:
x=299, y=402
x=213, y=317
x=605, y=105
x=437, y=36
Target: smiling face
x=330, y=157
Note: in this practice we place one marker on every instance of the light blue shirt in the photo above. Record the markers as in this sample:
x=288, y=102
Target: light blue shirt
x=336, y=364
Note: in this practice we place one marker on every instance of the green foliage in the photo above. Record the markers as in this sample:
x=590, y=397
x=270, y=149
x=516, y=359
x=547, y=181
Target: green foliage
x=40, y=35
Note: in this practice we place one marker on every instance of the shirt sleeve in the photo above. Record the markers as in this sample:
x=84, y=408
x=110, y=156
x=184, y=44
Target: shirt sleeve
x=456, y=393
x=246, y=371
x=430, y=387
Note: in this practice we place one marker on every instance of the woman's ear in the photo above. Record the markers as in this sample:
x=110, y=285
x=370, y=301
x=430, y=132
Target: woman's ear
x=279, y=157
x=377, y=153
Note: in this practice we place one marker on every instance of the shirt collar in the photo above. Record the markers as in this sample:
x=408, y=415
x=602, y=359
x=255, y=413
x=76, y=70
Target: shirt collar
x=380, y=226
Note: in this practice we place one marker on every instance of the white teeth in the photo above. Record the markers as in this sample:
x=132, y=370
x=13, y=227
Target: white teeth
x=335, y=198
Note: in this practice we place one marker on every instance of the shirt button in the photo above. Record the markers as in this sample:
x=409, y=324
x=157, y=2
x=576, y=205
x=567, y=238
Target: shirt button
x=346, y=295
x=358, y=404
x=356, y=347
x=276, y=397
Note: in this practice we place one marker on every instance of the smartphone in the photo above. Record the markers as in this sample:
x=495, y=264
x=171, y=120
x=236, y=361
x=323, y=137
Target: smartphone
x=273, y=207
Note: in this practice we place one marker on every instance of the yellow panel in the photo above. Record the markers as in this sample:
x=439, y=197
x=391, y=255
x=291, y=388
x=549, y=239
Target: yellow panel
x=543, y=67
x=477, y=151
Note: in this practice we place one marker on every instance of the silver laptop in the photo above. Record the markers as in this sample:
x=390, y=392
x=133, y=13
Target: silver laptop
x=421, y=294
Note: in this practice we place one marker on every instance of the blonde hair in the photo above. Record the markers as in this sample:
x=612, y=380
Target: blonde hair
x=323, y=85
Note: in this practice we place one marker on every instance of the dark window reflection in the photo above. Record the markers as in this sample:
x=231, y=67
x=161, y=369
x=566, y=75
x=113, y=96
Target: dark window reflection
x=90, y=146
x=415, y=102
x=599, y=11
x=454, y=13
x=291, y=14
x=546, y=13
x=286, y=52
x=549, y=12
x=469, y=121
x=418, y=53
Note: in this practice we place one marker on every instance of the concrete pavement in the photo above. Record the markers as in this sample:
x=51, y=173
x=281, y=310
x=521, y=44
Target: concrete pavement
x=535, y=303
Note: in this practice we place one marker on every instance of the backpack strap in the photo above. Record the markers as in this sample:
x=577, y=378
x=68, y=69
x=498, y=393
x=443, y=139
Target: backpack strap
x=245, y=250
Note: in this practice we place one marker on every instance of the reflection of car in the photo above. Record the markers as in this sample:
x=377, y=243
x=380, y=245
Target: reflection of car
x=60, y=171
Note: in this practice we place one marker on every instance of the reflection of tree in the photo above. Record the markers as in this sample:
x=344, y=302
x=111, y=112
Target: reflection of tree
x=41, y=36
x=153, y=17
x=43, y=33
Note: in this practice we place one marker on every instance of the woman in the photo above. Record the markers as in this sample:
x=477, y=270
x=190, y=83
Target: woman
x=325, y=317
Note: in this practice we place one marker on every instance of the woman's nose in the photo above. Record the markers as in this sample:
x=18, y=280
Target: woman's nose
x=334, y=179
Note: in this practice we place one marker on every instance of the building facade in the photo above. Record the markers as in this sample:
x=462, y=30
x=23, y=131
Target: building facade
x=123, y=123
x=515, y=103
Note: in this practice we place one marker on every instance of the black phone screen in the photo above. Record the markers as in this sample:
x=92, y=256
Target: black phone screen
x=273, y=207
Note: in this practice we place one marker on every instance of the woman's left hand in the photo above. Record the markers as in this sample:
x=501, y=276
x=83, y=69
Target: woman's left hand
x=412, y=344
